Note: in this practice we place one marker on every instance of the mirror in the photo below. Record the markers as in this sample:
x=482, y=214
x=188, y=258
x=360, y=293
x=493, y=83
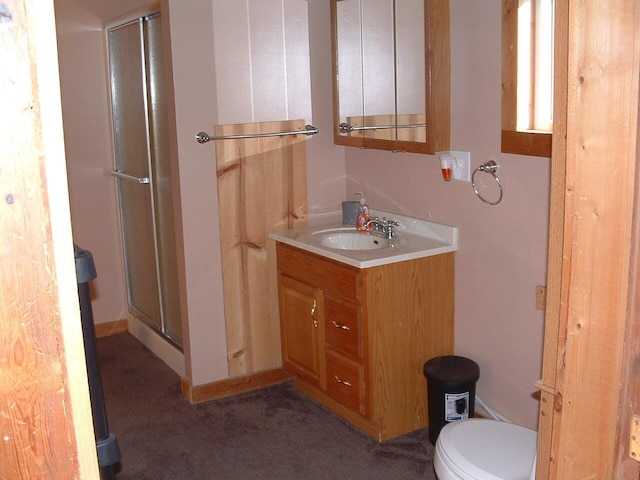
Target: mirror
x=391, y=74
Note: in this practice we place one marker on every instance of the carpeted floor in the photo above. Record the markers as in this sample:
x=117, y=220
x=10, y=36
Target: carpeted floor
x=275, y=433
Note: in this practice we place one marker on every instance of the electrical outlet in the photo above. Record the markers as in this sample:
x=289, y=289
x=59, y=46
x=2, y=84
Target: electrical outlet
x=461, y=166
x=541, y=297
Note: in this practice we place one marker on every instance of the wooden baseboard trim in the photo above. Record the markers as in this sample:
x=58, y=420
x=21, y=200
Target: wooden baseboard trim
x=111, y=328
x=233, y=386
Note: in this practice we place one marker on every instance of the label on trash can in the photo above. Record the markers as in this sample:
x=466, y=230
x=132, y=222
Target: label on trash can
x=456, y=406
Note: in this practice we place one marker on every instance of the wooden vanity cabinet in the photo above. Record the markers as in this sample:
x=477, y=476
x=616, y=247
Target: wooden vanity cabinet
x=356, y=340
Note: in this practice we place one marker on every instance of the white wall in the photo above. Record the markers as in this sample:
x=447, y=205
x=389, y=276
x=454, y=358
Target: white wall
x=326, y=177
x=89, y=150
x=196, y=109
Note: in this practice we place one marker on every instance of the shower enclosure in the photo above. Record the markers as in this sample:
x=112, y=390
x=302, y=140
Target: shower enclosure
x=143, y=174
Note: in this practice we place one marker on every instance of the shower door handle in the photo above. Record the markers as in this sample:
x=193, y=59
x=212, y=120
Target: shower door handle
x=130, y=178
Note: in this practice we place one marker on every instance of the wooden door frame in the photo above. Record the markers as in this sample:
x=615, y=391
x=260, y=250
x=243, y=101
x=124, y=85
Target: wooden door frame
x=589, y=384
x=46, y=422
x=627, y=467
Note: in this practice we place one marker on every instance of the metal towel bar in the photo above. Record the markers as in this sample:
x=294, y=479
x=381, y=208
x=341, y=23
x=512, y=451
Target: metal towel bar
x=129, y=178
x=347, y=127
x=202, y=137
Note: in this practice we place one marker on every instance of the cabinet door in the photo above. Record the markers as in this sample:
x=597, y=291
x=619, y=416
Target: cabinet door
x=300, y=318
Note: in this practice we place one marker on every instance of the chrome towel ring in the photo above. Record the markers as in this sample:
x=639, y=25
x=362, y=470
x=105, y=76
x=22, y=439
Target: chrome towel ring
x=488, y=167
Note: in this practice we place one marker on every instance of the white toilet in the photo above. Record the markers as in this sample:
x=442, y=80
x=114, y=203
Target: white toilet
x=480, y=449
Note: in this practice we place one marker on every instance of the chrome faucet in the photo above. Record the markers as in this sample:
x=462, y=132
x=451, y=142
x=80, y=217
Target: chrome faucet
x=382, y=228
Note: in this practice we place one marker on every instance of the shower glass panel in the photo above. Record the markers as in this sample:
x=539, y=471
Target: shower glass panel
x=142, y=155
x=161, y=174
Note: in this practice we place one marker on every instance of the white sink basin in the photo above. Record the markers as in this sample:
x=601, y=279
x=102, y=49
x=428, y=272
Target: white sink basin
x=414, y=238
x=352, y=241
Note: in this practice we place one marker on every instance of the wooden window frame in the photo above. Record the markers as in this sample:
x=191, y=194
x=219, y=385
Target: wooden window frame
x=514, y=141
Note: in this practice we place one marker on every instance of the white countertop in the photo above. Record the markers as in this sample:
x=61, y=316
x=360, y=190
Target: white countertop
x=414, y=238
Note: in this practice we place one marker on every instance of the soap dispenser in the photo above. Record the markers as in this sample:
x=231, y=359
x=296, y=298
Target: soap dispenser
x=363, y=216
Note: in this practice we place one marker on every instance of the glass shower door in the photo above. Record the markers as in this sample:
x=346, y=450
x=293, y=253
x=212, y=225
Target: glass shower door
x=144, y=175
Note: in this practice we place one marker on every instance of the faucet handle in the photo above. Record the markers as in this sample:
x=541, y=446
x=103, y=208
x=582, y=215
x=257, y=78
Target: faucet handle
x=388, y=226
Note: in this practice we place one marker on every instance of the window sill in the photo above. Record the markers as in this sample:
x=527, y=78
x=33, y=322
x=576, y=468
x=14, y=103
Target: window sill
x=537, y=144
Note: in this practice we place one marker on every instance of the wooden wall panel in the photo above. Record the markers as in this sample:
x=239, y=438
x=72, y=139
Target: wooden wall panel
x=261, y=187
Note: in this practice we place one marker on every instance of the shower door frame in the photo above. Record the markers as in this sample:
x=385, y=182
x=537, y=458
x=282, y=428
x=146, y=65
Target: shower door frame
x=148, y=181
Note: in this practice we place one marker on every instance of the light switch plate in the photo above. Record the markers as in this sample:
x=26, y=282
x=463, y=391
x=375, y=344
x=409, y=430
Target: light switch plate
x=461, y=166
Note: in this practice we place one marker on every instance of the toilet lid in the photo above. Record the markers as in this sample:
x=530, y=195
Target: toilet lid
x=487, y=449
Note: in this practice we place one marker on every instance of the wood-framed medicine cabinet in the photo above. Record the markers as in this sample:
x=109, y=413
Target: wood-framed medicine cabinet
x=391, y=74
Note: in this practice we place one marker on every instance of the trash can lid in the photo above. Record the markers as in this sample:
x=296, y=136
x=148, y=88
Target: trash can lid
x=452, y=368
x=85, y=268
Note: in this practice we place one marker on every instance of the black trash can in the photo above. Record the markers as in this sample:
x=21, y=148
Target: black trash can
x=451, y=391
x=106, y=441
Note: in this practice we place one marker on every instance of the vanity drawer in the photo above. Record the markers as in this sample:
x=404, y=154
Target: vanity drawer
x=343, y=329
x=341, y=280
x=345, y=382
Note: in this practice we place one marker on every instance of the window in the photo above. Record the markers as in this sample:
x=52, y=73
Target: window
x=527, y=76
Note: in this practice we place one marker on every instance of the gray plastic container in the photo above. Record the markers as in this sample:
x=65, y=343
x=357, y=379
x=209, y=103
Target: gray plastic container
x=349, y=213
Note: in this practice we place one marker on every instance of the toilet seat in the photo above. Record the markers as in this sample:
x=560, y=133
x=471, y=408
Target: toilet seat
x=479, y=449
